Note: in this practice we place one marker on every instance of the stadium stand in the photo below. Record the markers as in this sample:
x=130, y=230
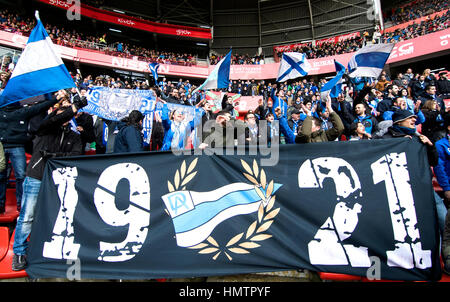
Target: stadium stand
x=298, y=93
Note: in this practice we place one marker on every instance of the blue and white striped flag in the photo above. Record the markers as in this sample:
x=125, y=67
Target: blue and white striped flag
x=154, y=69
x=219, y=77
x=369, y=61
x=39, y=69
x=335, y=84
x=196, y=214
x=292, y=66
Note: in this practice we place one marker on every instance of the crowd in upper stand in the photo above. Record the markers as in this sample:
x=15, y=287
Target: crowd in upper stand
x=411, y=10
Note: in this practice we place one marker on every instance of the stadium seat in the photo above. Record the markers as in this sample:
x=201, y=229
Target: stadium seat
x=419, y=128
x=5, y=263
x=4, y=242
x=339, y=277
x=90, y=152
x=11, y=212
x=437, y=188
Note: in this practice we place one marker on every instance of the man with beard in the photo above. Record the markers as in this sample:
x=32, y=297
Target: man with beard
x=386, y=103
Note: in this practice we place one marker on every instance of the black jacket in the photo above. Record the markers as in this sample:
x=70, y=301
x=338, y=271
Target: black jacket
x=426, y=97
x=443, y=86
x=53, y=140
x=86, y=121
x=14, y=122
x=432, y=154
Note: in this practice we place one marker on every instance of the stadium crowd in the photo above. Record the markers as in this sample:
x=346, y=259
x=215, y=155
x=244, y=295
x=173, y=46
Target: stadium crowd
x=411, y=10
x=408, y=104
x=397, y=107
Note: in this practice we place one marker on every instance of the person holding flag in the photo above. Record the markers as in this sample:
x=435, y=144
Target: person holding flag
x=369, y=61
x=154, y=69
x=220, y=76
x=39, y=71
x=292, y=66
x=334, y=86
x=54, y=138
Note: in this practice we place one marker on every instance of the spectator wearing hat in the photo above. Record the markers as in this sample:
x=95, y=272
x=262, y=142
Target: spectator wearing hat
x=296, y=120
x=130, y=138
x=404, y=125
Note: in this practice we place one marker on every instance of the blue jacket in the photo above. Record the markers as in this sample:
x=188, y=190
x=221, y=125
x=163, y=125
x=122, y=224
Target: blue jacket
x=369, y=122
x=129, y=139
x=442, y=169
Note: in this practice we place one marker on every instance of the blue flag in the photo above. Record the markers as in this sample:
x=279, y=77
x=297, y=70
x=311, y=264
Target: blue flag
x=219, y=77
x=39, y=69
x=154, y=69
x=369, y=61
x=335, y=84
x=292, y=66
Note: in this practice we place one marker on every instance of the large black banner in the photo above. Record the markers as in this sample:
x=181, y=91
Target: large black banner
x=361, y=207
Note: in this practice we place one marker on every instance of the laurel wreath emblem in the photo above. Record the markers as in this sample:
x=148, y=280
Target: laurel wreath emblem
x=245, y=241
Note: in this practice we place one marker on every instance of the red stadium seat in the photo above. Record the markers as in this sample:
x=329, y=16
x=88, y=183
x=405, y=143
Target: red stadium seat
x=90, y=152
x=5, y=263
x=447, y=103
x=437, y=188
x=4, y=242
x=11, y=212
x=339, y=277
x=419, y=128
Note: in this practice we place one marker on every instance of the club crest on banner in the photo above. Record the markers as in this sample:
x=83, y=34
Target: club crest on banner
x=196, y=214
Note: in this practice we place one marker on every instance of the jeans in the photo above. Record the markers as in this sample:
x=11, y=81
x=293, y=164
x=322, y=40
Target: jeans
x=441, y=212
x=19, y=163
x=31, y=188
